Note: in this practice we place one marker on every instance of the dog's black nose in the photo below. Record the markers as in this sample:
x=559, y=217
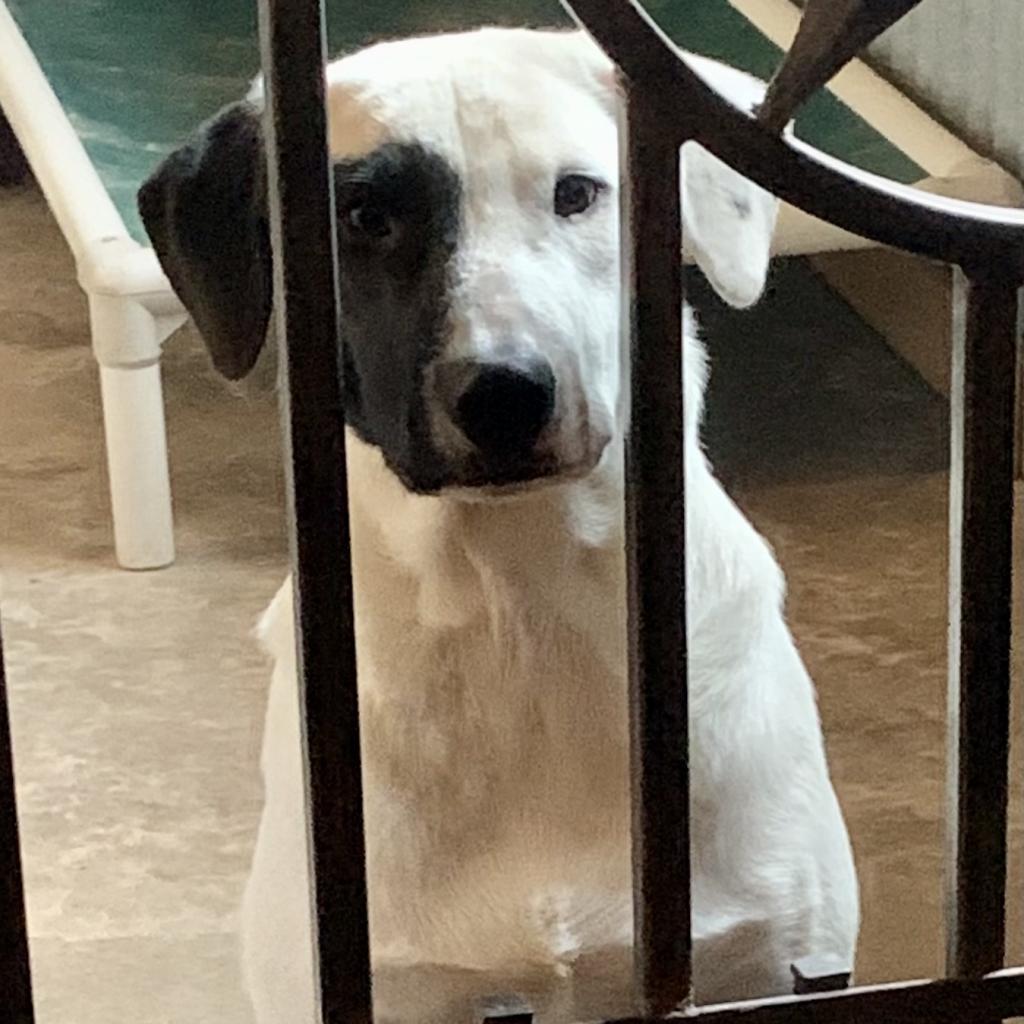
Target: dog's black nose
x=501, y=407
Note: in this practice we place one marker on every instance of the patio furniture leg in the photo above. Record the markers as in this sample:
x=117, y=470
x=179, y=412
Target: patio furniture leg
x=127, y=349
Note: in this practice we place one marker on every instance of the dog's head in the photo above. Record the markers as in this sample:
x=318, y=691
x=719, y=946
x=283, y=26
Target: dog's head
x=476, y=179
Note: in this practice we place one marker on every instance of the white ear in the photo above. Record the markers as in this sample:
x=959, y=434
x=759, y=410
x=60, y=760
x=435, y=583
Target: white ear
x=728, y=220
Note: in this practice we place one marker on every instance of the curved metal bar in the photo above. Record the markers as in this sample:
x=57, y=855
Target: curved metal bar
x=985, y=240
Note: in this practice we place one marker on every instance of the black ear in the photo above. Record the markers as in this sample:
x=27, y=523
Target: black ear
x=205, y=209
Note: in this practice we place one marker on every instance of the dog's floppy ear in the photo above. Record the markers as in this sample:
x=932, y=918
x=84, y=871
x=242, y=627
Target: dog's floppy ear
x=205, y=210
x=728, y=219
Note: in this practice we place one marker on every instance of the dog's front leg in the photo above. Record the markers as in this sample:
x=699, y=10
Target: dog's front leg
x=277, y=954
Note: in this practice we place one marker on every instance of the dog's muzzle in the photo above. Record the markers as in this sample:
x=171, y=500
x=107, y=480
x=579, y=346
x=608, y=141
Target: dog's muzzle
x=507, y=421
x=500, y=408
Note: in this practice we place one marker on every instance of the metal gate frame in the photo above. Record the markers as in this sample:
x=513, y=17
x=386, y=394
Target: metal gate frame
x=666, y=105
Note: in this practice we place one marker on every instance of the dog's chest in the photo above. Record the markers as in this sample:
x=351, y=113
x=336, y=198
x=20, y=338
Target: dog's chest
x=487, y=730
x=496, y=774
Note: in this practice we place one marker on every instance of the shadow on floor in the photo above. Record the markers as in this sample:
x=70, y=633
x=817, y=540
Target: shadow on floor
x=803, y=390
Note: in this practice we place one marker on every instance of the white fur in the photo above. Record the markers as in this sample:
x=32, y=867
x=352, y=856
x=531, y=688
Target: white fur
x=491, y=632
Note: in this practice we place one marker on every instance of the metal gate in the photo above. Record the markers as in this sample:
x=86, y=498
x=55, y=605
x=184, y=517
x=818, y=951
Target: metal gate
x=666, y=105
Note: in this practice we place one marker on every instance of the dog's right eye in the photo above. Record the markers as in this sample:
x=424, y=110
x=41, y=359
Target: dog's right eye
x=370, y=221
x=575, y=193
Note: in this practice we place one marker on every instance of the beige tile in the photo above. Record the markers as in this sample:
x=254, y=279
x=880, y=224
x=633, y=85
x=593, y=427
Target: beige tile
x=136, y=698
x=145, y=981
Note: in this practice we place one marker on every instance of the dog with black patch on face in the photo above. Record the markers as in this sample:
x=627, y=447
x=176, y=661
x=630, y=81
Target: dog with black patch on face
x=477, y=179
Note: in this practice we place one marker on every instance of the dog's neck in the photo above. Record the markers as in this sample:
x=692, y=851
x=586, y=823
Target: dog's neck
x=470, y=558
x=553, y=558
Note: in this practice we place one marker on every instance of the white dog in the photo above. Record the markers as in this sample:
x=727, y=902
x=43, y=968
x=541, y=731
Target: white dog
x=477, y=179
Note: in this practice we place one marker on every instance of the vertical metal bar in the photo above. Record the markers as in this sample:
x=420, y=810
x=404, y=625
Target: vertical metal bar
x=1018, y=438
x=15, y=973
x=655, y=551
x=980, y=529
x=305, y=268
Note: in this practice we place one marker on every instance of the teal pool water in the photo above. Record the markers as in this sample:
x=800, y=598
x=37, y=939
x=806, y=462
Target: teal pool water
x=136, y=75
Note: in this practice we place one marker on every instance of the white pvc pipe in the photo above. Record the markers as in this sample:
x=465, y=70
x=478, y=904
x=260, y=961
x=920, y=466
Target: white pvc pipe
x=126, y=342
x=131, y=304
x=83, y=208
x=140, y=489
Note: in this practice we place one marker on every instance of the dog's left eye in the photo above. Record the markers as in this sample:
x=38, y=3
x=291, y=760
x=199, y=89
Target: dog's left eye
x=369, y=220
x=575, y=193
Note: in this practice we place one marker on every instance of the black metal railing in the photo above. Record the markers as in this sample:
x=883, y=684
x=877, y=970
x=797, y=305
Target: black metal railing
x=667, y=105
x=987, y=246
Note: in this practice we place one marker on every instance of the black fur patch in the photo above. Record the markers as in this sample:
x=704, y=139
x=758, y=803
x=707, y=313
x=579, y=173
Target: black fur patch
x=204, y=208
x=398, y=228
